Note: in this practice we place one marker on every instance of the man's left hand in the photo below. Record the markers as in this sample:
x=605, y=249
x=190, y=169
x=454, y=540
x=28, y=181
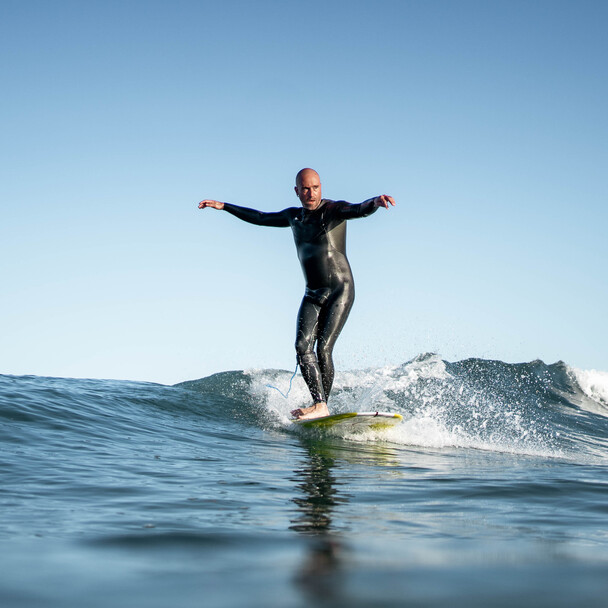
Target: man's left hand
x=384, y=200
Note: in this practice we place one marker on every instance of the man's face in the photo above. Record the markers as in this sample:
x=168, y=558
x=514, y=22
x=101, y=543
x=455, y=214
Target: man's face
x=308, y=190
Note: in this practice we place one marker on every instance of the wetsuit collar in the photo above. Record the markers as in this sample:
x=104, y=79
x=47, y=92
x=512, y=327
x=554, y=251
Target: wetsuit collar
x=308, y=212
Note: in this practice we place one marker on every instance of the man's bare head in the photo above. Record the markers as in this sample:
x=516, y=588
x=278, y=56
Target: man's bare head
x=308, y=188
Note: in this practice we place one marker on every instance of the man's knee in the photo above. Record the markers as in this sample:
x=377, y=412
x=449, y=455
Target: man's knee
x=307, y=359
x=304, y=348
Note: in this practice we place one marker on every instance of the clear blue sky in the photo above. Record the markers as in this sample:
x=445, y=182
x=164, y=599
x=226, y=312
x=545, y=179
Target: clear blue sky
x=486, y=120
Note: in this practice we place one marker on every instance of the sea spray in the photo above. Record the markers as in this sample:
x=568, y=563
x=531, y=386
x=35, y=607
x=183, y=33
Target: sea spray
x=527, y=408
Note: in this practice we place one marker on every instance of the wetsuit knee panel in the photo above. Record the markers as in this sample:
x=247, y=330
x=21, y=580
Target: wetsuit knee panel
x=306, y=358
x=304, y=345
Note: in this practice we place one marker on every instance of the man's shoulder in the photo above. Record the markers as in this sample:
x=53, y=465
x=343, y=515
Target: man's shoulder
x=332, y=206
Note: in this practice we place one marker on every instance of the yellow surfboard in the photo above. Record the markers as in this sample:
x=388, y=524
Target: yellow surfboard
x=353, y=422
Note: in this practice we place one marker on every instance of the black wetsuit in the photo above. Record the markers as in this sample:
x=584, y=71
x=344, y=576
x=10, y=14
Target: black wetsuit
x=320, y=238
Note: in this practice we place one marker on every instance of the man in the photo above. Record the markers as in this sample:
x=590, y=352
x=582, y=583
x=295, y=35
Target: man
x=319, y=231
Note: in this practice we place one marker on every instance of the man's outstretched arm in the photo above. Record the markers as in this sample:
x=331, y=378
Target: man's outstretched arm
x=350, y=211
x=278, y=219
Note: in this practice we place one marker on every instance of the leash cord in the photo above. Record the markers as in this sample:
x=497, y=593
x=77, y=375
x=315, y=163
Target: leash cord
x=290, y=382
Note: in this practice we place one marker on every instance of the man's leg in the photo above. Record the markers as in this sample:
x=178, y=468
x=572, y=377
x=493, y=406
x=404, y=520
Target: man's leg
x=332, y=318
x=306, y=336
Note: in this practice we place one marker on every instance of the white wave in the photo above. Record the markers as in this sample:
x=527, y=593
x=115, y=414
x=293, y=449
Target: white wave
x=397, y=376
x=593, y=383
x=430, y=399
x=278, y=392
x=353, y=391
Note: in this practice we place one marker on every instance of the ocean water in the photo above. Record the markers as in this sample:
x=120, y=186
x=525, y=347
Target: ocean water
x=492, y=492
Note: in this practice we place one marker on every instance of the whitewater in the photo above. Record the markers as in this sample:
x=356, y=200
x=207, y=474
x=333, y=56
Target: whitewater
x=492, y=492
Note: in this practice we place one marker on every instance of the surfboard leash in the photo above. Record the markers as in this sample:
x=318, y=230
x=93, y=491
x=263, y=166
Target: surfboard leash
x=290, y=383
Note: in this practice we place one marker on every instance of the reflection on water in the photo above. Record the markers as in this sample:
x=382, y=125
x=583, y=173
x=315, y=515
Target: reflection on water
x=318, y=496
x=319, y=576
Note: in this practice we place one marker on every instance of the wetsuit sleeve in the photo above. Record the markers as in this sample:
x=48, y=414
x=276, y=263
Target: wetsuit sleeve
x=278, y=219
x=348, y=211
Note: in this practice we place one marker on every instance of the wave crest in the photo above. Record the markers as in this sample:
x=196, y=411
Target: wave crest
x=530, y=408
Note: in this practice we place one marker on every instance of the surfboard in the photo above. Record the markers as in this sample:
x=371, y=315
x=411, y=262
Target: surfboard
x=353, y=422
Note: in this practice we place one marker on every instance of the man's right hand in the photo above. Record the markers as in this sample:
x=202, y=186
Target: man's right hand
x=211, y=203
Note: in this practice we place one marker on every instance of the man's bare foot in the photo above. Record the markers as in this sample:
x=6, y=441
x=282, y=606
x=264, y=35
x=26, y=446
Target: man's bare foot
x=318, y=410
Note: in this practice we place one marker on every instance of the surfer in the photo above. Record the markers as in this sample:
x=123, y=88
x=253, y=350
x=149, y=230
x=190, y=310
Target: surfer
x=319, y=231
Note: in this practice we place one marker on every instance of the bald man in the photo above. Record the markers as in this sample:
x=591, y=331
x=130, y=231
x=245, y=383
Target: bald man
x=319, y=232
